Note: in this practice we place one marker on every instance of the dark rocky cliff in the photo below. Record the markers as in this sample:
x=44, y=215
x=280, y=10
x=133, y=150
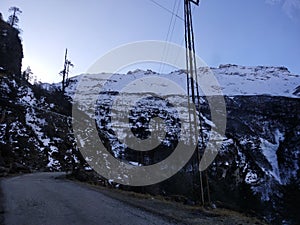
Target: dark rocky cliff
x=11, y=50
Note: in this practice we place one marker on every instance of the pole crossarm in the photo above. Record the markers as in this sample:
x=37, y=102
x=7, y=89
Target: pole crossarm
x=195, y=1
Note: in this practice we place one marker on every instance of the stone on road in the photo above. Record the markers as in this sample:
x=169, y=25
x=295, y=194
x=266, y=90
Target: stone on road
x=41, y=199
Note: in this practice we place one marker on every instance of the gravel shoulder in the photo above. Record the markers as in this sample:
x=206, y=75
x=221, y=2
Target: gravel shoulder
x=182, y=214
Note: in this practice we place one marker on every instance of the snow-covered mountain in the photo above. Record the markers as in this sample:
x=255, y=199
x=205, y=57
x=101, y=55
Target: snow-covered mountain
x=260, y=155
x=233, y=80
x=257, y=167
x=260, y=80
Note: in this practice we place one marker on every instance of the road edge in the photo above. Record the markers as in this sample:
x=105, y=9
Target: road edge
x=1, y=204
x=127, y=201
x=169, y=217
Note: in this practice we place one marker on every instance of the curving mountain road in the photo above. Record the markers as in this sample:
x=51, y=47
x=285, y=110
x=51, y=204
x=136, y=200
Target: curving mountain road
x=41, y=199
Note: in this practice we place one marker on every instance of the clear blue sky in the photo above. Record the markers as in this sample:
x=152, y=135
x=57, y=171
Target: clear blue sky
x=253, y=32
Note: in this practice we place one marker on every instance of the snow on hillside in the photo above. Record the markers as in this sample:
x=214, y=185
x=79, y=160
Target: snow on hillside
x=261, y=149
x=32, y=128
x=240, y=80
x=234, y=80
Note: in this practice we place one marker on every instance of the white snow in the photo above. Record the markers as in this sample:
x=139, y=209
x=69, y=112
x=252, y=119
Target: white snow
x=269, y=150
x=207, y=121
x=233, y=80
x=36, y=125
x=88, y=168
x=53, y=149
x=2, y=133
x=53, y=163
x=5, y=87
x=14, y=83
x=251, y=177
x=134, y=163
x=26, y=96
x=46, y=141
x=239, y=80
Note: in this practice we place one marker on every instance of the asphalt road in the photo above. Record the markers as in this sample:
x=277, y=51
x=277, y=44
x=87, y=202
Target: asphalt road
x=40, y=199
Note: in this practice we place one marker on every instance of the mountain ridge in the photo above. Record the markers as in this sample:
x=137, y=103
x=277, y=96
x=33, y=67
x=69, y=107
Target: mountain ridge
x=233, y=80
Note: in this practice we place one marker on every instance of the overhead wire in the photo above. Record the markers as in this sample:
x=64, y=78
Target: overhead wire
x=35, y=107
x=167, y=37
x=174, y=14
x=172, y=31
x=166, y=9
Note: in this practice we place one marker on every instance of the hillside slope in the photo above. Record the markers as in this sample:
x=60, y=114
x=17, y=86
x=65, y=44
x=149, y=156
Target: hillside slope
x=35, y=128
x=258, y=163
x=257, y=168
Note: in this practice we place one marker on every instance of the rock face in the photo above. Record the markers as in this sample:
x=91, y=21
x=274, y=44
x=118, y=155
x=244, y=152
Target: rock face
x=261, y=156
x=11, y=50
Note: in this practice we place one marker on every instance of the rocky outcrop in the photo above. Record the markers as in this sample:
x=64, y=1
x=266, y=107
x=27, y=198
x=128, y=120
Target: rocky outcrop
x=11, y=50
x=260, y=158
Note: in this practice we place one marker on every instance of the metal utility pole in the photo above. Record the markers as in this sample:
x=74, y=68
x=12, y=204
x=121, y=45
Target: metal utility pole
x=192, y=84
x=190, y=47
x=65, y=72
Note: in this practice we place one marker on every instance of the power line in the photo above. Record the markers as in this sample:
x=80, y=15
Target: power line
x=165, y=51
x=167, y=38
x=34, y=107
x=172, y=32
x=166, y=9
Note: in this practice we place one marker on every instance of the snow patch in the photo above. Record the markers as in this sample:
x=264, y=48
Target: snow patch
x=234, y=80
x=36, y=124
x=251, y=177
x=269, y=150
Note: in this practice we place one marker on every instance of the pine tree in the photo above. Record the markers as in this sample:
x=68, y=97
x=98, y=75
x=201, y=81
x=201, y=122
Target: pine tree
x=27, y=74
x=65, y=72
x=13, y=19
